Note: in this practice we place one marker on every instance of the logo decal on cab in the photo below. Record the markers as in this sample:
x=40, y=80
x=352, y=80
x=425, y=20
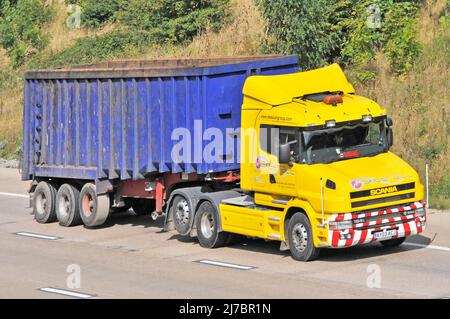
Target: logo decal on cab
x=356, y=184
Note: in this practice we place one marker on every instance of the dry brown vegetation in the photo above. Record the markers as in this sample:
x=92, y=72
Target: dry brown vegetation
x=242, y=36
x=419, y=102
x=60, y=37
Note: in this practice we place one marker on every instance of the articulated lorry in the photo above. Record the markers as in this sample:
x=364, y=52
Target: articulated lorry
x=220, y=147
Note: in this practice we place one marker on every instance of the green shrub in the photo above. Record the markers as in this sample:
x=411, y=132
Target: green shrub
x=96, y=48
x=95, y=13
x=172, y=21
x=142, y=24
x=20, y=28
x=395, y=37
x=300, y=27
x=321, y=31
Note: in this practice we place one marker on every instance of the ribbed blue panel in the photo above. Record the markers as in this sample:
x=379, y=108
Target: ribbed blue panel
x=109, y=128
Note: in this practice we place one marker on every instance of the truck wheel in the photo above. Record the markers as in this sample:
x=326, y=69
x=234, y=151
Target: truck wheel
x=300, y=237
x=94, y=209
x=142, y=206
x=67, y=209
x=207, y=227
x=44, y=199
x=182, y=213
x=394, y=242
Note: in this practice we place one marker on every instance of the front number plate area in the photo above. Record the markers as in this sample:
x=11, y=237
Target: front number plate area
x=385, y=234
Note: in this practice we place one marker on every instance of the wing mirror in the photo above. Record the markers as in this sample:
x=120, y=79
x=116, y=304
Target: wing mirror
x=389, y=122
x=389, y=133
x=285, y=154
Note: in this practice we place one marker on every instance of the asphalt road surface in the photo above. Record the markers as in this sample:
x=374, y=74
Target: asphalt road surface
x=130, y=257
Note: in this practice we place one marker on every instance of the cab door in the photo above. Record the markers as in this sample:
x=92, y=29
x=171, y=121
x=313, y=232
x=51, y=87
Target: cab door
x=271, y=177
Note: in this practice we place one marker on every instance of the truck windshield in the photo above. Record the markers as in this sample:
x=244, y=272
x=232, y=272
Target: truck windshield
x=335, y=144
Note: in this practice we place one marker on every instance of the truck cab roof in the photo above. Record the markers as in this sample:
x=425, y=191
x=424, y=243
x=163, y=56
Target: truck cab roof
x=298, y=98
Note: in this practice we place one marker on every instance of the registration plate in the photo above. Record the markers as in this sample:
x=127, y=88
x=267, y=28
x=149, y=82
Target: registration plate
x=385, y=234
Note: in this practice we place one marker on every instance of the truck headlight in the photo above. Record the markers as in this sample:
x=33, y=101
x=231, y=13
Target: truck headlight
x=419, y=212
x=340, y=225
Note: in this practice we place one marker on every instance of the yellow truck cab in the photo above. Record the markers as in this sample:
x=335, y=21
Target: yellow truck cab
x=316, y=169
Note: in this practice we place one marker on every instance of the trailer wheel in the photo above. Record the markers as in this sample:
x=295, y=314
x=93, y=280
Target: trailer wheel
x=142, y=206
x=394, y=242
x=67, y=206
x=207, y=222
x=94, y=209
x=300, y=237
x=44, y=203
x=182, y=213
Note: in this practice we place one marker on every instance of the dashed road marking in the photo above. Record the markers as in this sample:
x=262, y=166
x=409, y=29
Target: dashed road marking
x=14, y=195
x=222, y=264
x=428, y=246
x=67, y=293
x=39, y=236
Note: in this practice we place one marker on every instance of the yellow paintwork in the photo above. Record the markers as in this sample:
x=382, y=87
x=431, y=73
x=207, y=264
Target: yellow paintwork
x=275, y=100
x=279, y=89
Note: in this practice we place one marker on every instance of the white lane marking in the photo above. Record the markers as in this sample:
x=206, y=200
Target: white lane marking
x=37, y=236
x=222, y=264
x=428, y=246
x=66, y=293
x=14, y=195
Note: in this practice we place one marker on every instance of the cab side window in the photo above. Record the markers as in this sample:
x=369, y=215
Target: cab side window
x=271, y=137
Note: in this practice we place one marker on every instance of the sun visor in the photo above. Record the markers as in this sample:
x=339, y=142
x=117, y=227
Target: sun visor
x=281, y=89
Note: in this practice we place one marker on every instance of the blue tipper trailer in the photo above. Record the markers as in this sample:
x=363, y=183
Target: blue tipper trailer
x=110, y=124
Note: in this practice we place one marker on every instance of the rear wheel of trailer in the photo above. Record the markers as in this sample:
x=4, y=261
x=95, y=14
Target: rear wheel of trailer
x=44, y=199
x=67, y=205
x=94, y=209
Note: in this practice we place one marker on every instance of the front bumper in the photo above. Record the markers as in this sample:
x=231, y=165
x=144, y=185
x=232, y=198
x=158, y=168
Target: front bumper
x=402, y=219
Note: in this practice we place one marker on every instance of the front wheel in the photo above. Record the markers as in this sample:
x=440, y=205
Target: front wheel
x=300, y=237
x=207, y=223
x=394, y=242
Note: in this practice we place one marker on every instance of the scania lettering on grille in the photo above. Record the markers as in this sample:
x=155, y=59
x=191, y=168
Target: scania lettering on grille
x=383, y=190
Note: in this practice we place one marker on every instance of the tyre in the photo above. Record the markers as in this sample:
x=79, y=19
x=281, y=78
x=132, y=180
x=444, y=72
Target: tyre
x=207, y=223
x=94, y=209
x=394, y=242
x=182, y=214
x=300, y=237
x=67, y=206
x=44, y=199
x=142, y=206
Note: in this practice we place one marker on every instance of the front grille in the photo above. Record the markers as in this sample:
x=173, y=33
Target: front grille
x=382, y=200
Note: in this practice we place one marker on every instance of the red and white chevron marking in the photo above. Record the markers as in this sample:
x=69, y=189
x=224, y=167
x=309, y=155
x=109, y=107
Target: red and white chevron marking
x=407, y=225
x=348, y=216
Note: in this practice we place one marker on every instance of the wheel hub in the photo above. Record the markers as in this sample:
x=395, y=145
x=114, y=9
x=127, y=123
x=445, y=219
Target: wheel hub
x=64, y=205
x=88, y=205
x=207, y=225
x=41, y=204
x=300, y=237
x=182, y=212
